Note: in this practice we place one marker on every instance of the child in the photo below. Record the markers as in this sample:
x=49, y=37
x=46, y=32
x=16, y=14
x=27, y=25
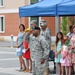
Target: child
x=59, y=43
x=27, y=55
x=66, y=58
x=73, y=48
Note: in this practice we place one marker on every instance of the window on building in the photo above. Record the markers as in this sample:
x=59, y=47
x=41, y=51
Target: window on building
x=1, y=2
x=33, y=1
x=1, y=24
x=34, y=18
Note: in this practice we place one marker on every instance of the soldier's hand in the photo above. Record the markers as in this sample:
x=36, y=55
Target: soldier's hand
x=30, y=32
x=42, y=61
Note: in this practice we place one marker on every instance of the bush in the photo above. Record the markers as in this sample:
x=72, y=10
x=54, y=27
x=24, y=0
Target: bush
x=64, y=25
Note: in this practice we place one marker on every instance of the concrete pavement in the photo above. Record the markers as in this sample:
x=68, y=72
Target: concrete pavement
x=9, y=61
x=6, y=43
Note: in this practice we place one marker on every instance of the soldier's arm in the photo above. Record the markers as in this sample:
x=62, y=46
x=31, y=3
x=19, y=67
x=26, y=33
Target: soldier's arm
x=27, y=37
x=45, y=50
x=49, y=37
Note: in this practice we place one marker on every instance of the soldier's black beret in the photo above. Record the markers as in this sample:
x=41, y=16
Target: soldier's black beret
x=36, y=28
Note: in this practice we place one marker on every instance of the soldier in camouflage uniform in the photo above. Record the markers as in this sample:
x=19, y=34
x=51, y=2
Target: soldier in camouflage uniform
x=32, y=38
x=33, y=24
x=32, y=42
x=45, y=32
x=40, y=52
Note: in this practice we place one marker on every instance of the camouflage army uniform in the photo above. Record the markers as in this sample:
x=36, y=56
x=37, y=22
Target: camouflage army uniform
x=40, y=50
x=46, y=35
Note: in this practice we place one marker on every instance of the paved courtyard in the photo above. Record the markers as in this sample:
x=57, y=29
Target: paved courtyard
x=9, y=62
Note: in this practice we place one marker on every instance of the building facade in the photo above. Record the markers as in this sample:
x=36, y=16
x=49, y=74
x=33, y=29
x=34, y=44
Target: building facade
x=50, y=20
x=9, y=17
x=10, y=21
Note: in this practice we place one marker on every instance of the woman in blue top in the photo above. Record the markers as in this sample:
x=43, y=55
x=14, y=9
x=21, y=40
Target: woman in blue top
x=20, y=46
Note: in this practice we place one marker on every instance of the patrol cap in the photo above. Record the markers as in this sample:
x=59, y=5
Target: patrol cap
x=36, y=28
x=33, y=22
x=43, y=23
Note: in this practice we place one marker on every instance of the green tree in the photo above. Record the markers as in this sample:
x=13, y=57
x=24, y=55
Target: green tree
x=64, y=25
